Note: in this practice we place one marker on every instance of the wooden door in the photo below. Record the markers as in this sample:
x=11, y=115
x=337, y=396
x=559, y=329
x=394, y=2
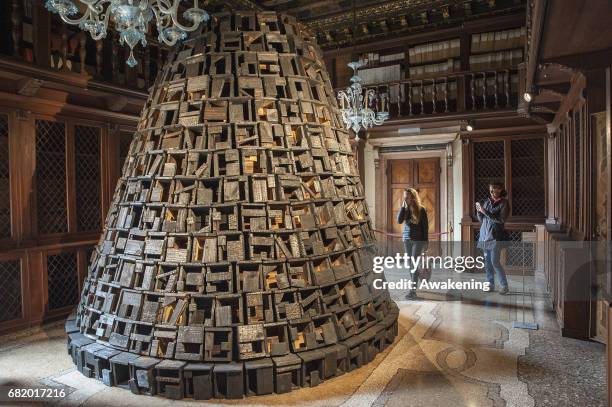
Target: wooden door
x=422, y=174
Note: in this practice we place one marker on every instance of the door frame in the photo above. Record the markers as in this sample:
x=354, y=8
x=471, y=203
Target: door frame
x=382, y=184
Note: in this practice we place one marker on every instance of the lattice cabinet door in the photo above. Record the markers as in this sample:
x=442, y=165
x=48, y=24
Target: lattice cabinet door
x=51, y=201
x=489, y=167
x=87, y=177
x=528, y=195
x=62, y=280
x=11, y=298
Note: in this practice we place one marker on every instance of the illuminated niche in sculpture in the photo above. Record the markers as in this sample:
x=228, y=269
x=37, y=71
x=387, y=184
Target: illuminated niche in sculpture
x=234, y=257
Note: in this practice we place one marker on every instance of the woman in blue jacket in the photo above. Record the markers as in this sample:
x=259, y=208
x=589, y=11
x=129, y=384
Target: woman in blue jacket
x=492, y=214
x=416, y=230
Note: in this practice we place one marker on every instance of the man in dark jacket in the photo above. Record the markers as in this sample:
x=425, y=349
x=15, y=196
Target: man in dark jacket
x=415, y=234
x=492, y=215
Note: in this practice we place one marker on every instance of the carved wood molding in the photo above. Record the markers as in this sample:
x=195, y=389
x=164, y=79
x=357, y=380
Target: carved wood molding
x=574, y=97
x=28, y=86
x=115, y=103
x=235, y=5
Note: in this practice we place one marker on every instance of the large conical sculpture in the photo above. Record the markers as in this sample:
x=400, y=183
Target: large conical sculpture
x=234, y=257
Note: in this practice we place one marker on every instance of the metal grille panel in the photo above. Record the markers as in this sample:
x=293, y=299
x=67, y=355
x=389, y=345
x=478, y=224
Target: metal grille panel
x=10, y=290
x=87, y=167
x=520, y=253
x=528, y=177
x=5, y=197
x=51, y=177
x=62, y=280
x=488, y=166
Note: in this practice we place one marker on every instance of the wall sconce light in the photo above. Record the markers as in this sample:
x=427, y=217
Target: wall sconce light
x=529, y=94
x=469, y=126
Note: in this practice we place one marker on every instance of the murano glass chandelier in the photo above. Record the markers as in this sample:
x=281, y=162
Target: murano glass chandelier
x=361, y=109
x=131, y=19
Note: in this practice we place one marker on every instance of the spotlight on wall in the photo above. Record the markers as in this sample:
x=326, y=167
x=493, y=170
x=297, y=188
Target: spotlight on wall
x=469, y=126
x=529, y=94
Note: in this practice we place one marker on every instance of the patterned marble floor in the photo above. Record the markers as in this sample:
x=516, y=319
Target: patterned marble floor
x=453, y=349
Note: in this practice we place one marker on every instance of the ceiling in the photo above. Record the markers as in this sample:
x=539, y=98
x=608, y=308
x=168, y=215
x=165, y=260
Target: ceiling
x=337, y=22
x=576, y=27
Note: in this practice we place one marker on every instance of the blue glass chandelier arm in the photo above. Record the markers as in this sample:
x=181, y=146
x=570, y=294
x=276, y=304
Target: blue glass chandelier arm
x=194, y=14
x=131, y=18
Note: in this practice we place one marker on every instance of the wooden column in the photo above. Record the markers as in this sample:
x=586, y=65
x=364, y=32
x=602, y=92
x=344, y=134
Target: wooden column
x=552, y=175
x=467, y=158
x=64, y=48
x=100, y=58
x=24, y=153
x=83, y=51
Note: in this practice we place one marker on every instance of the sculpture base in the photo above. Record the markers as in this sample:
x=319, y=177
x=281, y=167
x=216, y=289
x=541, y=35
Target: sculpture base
x=202, y=380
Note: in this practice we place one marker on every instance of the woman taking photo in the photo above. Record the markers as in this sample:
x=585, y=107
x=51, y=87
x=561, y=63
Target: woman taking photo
x=492, y=214
x=416, y=230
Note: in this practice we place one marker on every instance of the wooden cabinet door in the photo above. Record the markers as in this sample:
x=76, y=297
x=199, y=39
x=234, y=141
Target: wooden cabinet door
x=422, y=174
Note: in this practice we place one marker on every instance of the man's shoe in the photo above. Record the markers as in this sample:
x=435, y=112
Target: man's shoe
x=411, y=295
x=503, y=291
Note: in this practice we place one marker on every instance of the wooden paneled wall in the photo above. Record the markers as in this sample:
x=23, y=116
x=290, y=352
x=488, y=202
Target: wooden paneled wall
x=570, y=213
x=56, y=181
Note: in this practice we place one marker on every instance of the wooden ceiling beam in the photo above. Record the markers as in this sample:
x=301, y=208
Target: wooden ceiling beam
x=547, y=96
x=541, y=118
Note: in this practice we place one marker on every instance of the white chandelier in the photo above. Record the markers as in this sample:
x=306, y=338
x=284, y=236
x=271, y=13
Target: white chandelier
x=131, y=18
x=356, y=106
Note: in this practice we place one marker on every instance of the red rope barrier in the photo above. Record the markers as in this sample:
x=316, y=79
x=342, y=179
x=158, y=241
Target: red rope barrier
x=401, y=235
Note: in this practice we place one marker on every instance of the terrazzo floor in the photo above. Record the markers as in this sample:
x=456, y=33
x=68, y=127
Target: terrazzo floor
x=453, y=349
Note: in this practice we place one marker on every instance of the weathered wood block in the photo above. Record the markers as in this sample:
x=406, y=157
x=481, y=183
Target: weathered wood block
x=287, y=373
x=259, y=377
x=198, y=380
x=229, y=380
x=169, y=379
x=119, y=374
x=142, y=375
x=259, y=307
x=218, y=343
x=190, y=343
x=201, y=310
x=277, y=338
x=312, y=367
x=251, y=341
x=141, y=338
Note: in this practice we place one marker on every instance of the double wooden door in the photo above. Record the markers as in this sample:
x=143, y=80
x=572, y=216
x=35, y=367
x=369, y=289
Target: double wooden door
x=422, y=174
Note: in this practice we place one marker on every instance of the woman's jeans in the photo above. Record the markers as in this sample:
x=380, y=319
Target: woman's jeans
x=493, y=266
x=414, y=249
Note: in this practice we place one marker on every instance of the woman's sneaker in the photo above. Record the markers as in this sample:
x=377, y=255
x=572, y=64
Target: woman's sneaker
x=503, y=291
